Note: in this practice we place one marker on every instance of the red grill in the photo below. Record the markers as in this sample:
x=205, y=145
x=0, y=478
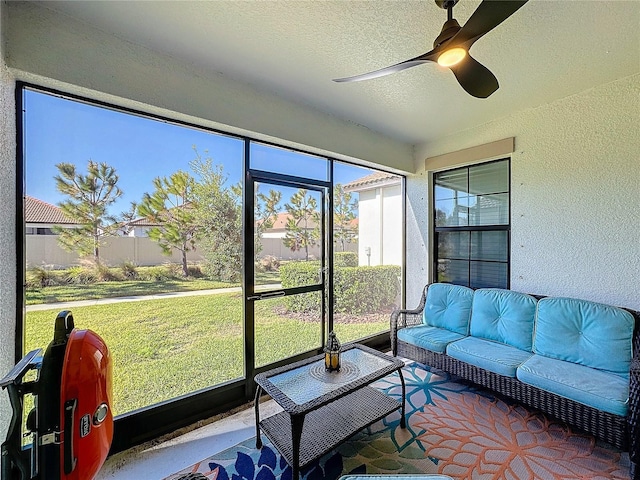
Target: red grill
x=71, y=425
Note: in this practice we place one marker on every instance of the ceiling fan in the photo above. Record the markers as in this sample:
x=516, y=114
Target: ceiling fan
x=451, y=47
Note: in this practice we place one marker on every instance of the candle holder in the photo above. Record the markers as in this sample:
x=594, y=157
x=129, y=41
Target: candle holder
x=332, y=353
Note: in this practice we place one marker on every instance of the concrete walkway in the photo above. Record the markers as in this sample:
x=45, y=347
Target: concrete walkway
x=138, y=298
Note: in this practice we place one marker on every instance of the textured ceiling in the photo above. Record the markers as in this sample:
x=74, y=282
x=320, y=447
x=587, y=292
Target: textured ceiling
x=548, y=49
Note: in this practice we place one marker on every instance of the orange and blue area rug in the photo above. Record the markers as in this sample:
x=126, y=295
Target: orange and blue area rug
x=453, y=428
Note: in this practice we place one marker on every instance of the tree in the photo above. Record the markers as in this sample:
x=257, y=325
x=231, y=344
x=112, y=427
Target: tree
x=127, y=218
x=266, y=213
x=218, y=214
x=344, y=212
x=89, y=196
x=303, y=225
x=171, y=206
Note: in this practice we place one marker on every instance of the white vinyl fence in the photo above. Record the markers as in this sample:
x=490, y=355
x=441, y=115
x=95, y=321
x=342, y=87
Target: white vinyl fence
x=44, y=250
x=142, y=251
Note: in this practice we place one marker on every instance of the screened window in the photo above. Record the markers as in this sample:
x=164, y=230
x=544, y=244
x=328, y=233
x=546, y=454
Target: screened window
x=160, y=217
x=472, y=225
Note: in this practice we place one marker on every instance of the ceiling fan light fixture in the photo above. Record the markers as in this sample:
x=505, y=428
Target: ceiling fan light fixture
x=452, y=57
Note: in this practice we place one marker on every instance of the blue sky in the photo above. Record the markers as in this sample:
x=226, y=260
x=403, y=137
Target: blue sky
x=140, y=149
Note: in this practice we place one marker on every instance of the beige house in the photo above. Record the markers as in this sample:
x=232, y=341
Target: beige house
x=379, y=226
x=40, y=217
x=134, y=246
x=41, y=242
x=138, y=228
x=273, y=241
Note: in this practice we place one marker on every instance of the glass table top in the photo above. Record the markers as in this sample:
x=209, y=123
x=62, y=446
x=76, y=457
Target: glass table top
x=311, y=381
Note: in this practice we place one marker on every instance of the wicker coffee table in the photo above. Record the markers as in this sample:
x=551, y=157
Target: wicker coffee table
x=322, y=409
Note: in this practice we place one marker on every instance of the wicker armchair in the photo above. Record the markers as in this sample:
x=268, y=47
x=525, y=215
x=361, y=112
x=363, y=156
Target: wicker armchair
x=622, y=432
x=634, y=406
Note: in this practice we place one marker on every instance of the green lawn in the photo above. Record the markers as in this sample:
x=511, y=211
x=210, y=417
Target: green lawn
x=165, y=348
x=72, y=292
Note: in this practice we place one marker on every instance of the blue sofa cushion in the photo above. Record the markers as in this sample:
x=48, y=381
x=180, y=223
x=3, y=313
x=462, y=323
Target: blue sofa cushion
x=430, y=338
x=579, y=331
x=598, y=389
x=448, y=306
x=493, y=356
x=504, y=316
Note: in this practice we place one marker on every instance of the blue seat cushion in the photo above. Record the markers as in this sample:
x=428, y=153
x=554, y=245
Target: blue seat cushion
x=430, y=338
x=587, y=333
x=493, y=356
x=448, y=306
x=598, y=389
x=504, y=316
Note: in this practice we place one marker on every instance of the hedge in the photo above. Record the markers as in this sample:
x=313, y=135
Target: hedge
x=357, y=290
x=345, y=259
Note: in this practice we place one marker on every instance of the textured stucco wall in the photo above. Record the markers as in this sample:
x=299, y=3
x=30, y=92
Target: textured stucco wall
x=7, y=226
x=575, y=192
x=58, y=51
x=417, y=236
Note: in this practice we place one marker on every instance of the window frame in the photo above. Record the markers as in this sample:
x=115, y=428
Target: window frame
x=436, y=230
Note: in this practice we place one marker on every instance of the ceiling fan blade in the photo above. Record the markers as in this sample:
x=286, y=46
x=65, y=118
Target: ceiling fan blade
x=475, y=78
x=488, y=15
x=427, y=57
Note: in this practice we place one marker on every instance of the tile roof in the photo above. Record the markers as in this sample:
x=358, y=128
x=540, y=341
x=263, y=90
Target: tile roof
x=37, y=211
x=281, y=220
x=280, y=223
x=371, y=180
x=143, y=222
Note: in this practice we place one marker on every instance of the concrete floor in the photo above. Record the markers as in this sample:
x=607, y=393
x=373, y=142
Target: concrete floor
x=158, y=459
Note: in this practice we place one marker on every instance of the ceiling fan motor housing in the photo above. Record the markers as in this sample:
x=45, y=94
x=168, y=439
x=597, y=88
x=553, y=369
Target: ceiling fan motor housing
x=446, y=4
x=449, y=29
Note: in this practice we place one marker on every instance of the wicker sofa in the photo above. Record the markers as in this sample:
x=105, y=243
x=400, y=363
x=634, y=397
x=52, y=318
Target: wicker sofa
x=575, y=360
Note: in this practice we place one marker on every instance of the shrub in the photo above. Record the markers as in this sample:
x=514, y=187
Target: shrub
x=106, y=274
x=156, y=274
x=174, y=270
x=357, y=289
x=365, y=289
x=91, y=273
x=223, y=272
x=345, y=259
x=80, y=275
x=269, y=263
x=195, y=271
x=42, y=276
x=129, y=270
x=294, y=274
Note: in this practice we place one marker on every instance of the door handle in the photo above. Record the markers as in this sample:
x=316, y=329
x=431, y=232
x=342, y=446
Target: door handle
x=264, y=296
